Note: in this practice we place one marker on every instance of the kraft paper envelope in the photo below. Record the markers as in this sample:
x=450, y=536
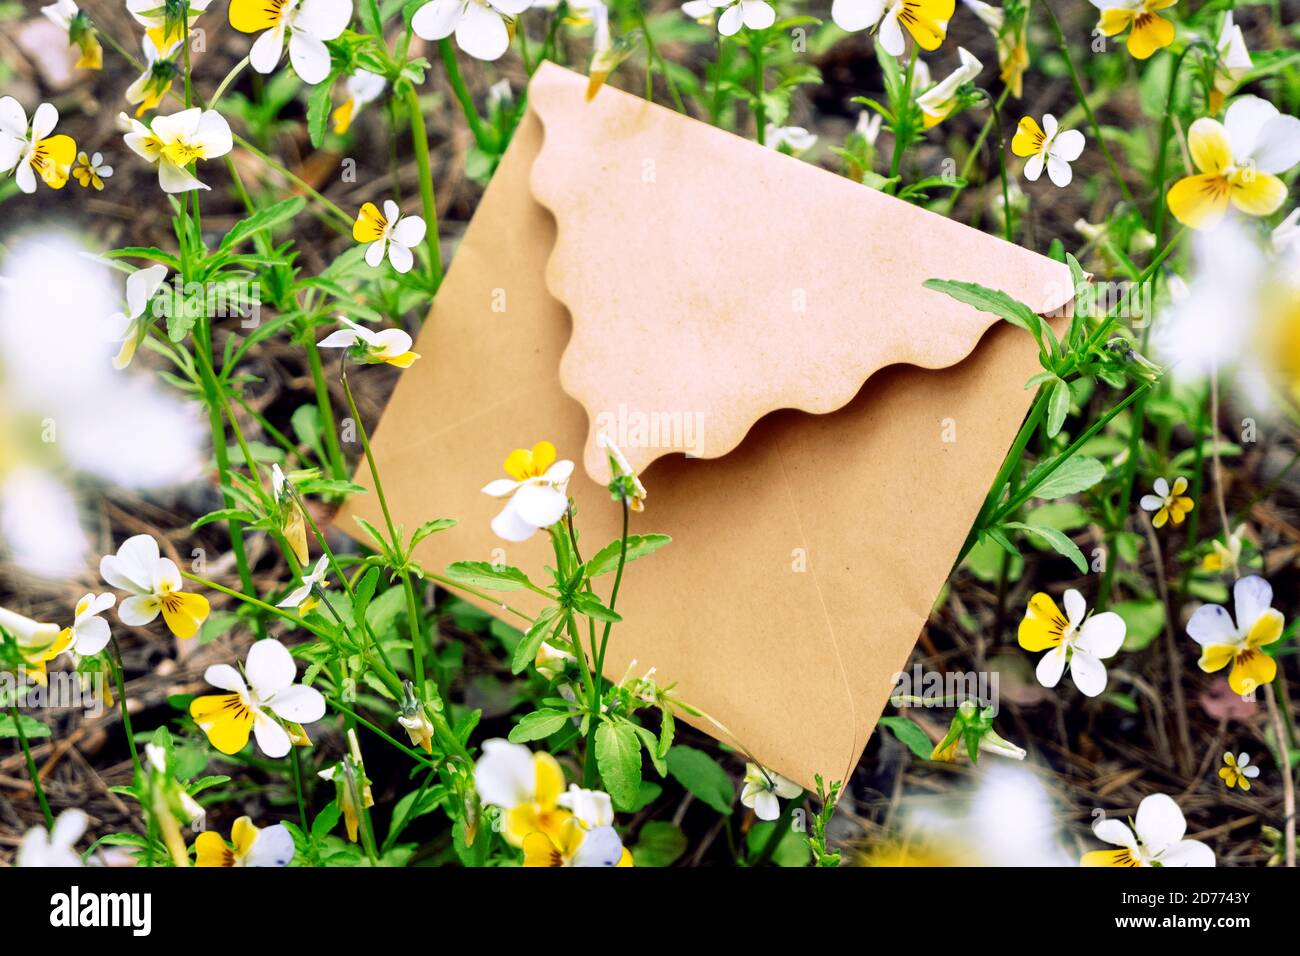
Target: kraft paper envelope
x=816, y=430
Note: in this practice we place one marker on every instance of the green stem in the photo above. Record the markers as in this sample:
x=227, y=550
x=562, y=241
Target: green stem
x=481, y=135
x=975, y=149
x=225, y=83
x=115, y=662
x=760, y=108
x=344, y=220
x=338, y=464
x=778, y=832
x=297, y=786
x=420, y=141
x=32, y=770
x=655, y=57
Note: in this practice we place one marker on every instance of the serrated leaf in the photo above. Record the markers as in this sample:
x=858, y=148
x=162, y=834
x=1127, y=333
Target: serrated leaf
x=638, y=545
x=541, y=628
x=430, y=527
x=989, y=300
x=267, y=218
x=589, y=604
x=537, y=725
x=481, y=574
x=618, y=757
x=660, y=843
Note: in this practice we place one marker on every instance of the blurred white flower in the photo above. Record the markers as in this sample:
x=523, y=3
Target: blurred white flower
x=1155, y=839
x=763, y=787
x=479, y=25
x=58, y=847
x=795, y=138
x=362, y=87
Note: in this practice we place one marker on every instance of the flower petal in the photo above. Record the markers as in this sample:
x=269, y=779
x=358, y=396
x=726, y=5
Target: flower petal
x=270, y=667
x=1159, y=822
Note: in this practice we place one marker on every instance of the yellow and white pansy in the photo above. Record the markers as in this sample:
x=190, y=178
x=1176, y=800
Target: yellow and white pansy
x=249, y=846
x=1151, y=31
x=30, y=151
x=362, y=87
x=292, y=524
x=129, y=326
x=388, y=232
x=1074, y=638
x=1240, y=161
x=526, y=786
x=1010, y=38
x=155, y=81
x=1169, y=502
x=537, y=489
x=925, y=20
x=623, y=472
x=65, y=14
x=1232, y=65
x=1047, y=146
x=174, y=142
x=309, y=583
x=1240, y=643
x=763, y=787
x=938, y=102
x=91, y=170
x=89, y=633
x=390, y=346
x=254, y=700
x=38, y=642
x=1155, y=839
x=56, y=847
x=156, y=587
x=754, y=14
x=480, y=25
x=1225, y=557
x=1237, y=771
x=575, y=845
x=308, y=24
x=153, y=16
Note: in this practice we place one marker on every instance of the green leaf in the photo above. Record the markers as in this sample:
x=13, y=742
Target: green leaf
x=1143, y=620
x=379, y=541
x=266, y=218
x=618, y=757
x=589, y=604
x=989, y=300
x=223, y=514
x=481, y=574
x=1061, y=515
x=325, y=822
x=660, y=843
x=538, y=724
x=31, y=726
x=430, y=527
x=793, y=849
x=541, y=628
x=1058, y=406
x=651, y=743
x=362, y=595
x=910, y=733
x=1073, y=475
x=318, y=110
x=638, y=545
x=701, y=775
x=1056, y=539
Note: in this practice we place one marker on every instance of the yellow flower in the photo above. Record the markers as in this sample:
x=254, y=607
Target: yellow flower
x=1013, y=50
x=38, y=643
x=1239, y=160
x=1168, y=502
x=1237, y=771
x=1150, y=32
x=1155, y=839
x=574, y=845
x=30, y=151
x=537, y=489
x=390, y=346
x=352, y=786
x=1224, y=557
x=388, y=233
x=1224, y=642
x=91, y=171
x=362, y=87
x=925, y=20
x=251, y=846
x=526, y=786
x=155, y=585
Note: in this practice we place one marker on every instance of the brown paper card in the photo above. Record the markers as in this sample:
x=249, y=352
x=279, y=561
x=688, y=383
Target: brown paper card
x=712, y=297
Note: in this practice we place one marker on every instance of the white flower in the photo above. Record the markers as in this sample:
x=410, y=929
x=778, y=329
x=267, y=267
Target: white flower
x=1158, y=839
x=592, y=808
x=1240, y=644
x=128, y=326
x=938, y=102
x=176, y=141
x=362, y=87
x=1286, y=237
x=991, y=16
x=388, y=232
x=58, y=846
x=620, y=467
x=148, y=89
x=1084, y=641
x=796, y=138
x=90, y=632
x=755, y=14
x=868, y=126
x=499, y=93
x=392, y=346
x=152, y=15
x=309, y=23
x=64, y=14
x=762, y=787
x=1049, y=146
x=253, y=846
x=309, y=581
x=228, y=718
x=926, y=20
x=479, y=25
x=31, y=151
x=155, y=584
x=1234, y=62
x=537, y=489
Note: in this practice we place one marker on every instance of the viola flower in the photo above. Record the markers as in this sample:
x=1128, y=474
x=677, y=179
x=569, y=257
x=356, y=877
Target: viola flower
x=1239, y=162
x=252, y=705
x=625, y=485
x=149, y=88
x=1150, y=32
x=926, y=20
x=89, y=633
x=176, y=141
x=1048, y=146
x=1011, y=42
x=81, y=33
x=591, y=808
x=576, y=846
x=292, y=524
x=1168, y=502
x=754, y=14
x=249, y=846
x=161, y=20
x=795, y=139
x=762, y=787
x=91, y=171
x=526, y=786
x=1082, y=641
x=391, y=346
x=537, y=489
x=156, y=586
x=31, y=151
x=1222, y=642
x=1156, y=838
x=390, y=232
x=550, y=661
x=129, y=326
x=56, y=847
x=1233, y=63
x=309, y=583
x=418, y=727
x=938, y=102
x=1237, y=771
x=1224, y=557
x=38, y=642
x=362, y=87
x=351, y=786
x=479, y=25
x=309, y=23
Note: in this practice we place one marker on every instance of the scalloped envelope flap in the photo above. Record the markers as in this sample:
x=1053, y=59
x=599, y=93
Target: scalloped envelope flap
x=712, y=280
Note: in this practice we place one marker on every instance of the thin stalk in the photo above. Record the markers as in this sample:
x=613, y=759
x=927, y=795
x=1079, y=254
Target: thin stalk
x=760, y=108
x=115, y=662
x=328, y=205
x=32, y=769
x=481, y=135
x=778, y=832
x=901, y=141
x=975, y=150
x=420, y=140
x=297, y=786
x=1288, y=784
x=338, y=464
x=656, y=58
